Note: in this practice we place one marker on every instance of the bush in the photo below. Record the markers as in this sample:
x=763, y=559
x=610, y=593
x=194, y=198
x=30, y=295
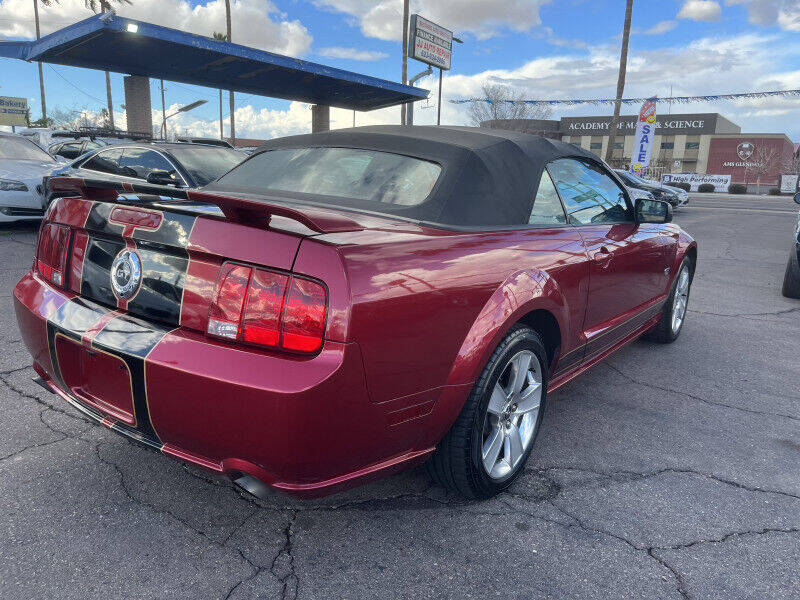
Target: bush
x=774, y=191
x=706, y=188
x=687, y=187
x=737, y=188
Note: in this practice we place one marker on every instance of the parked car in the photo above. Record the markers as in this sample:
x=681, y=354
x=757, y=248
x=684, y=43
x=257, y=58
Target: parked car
x=72, y=149
x=203, y=140
x=344, y=305
x=659, y=192
x=23, y=164
x=791, y=279
x=179, y=165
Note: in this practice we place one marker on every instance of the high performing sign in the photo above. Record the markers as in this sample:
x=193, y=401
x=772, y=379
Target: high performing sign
x=13, y=110
x=430, y=43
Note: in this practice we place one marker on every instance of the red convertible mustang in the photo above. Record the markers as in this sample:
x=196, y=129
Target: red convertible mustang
x=344, y=305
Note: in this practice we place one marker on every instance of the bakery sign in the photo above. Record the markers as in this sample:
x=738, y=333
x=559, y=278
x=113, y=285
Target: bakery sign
x=430, y=43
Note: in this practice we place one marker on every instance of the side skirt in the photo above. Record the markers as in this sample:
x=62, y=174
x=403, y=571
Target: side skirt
x=563, y=378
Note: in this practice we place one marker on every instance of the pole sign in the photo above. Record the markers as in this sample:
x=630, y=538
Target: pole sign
x=643, y=142
x=430, y=43
x=13, y=111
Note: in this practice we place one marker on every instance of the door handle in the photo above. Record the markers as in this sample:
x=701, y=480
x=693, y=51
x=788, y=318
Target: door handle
x=602, y=256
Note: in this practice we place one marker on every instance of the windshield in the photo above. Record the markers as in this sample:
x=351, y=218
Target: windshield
x=206, y=163
x=19, y=148
x=370, y=175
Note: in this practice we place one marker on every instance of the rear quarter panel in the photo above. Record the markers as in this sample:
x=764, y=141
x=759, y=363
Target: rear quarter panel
x=429, y=307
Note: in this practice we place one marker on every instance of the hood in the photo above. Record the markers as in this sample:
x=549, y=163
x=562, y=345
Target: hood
x=28, y=171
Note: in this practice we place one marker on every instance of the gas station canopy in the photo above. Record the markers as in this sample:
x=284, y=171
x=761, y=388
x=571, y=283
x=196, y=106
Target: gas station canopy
x=112, y=43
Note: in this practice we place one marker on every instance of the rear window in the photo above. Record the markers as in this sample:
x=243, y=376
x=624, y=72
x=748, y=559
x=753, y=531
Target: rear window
x=380, y=177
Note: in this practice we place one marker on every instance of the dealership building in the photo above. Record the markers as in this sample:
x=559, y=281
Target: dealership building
x=703, y=143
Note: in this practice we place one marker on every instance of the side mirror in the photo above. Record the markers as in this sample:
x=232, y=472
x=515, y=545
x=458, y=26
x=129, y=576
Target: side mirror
x=161, y=178
x=797, y=197
x=653, y=211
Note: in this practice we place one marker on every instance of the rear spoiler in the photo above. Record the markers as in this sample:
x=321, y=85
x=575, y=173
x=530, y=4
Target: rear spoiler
x=237, y=210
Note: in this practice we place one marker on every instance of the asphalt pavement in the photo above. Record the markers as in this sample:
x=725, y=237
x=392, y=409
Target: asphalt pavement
x=665, y=472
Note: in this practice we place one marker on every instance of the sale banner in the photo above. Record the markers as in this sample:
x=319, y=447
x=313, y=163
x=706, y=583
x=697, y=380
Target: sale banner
x=643, y=142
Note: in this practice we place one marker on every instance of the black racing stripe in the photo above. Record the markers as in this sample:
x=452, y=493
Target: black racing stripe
x=96, y=280
x=163, y=254
x=124, y=337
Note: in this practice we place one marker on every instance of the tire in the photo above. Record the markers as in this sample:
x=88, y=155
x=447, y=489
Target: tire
x=664, y=331
x=458, y=462
x=791, y=279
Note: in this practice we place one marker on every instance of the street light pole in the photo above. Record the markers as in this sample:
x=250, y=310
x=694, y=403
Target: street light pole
x=439, y=103
x=186, y=108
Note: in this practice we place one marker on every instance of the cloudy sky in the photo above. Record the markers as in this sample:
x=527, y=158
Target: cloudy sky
x=545, y=48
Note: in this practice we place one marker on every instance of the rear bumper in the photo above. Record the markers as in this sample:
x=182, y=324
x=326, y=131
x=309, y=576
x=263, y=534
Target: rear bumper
x=301, y=425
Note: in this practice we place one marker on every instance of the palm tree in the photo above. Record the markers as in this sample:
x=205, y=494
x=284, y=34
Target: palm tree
x=233, y=108
x=103, y=6
x=623, y=66
x=221, y=37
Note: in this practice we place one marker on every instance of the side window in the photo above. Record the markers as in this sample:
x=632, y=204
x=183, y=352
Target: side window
x=105, y=162
x=71, y=150
x=589, y=194
x=547, y=209
x=142, y=162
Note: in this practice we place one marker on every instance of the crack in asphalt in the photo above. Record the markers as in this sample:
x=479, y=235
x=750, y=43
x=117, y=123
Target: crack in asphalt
x=747, y=315
x=289, y=579
x=283, y=566
x=647, y=384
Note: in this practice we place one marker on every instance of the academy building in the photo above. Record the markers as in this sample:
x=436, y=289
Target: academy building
x=703, y=143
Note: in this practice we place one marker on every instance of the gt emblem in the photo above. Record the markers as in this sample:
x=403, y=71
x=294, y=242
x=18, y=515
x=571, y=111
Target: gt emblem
x=126, y=274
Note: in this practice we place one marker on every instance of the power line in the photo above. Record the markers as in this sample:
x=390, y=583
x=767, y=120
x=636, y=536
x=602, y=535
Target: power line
x=75, y=86
x=675, y=99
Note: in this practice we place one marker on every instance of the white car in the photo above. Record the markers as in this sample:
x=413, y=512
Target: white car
x=23, y=164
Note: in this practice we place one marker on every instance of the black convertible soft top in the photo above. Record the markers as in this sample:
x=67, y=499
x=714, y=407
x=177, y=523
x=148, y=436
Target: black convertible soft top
x=489, y=176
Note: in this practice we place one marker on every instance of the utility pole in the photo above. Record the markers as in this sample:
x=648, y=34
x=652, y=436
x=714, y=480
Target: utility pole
x=110, y=103
x=163, y=113
x=221, y=126
x=623, y=66
x=41, y=76
x=405, y=58
x=232, y=103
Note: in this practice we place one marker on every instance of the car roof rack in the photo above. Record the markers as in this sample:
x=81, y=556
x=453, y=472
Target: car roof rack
x=106, y=132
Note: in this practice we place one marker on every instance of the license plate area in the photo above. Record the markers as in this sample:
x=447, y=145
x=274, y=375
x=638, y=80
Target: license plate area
x=97, y=378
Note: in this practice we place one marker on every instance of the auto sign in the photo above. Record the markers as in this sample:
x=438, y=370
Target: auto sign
x=430, y=43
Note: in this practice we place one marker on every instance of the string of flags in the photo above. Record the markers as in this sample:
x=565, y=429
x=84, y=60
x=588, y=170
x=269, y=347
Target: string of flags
x=668, y=99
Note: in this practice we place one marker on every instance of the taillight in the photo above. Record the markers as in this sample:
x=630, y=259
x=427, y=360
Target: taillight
x=51, y=253
x=268, y=309
x=261, y=323
x=226, y=311
x=304, y=315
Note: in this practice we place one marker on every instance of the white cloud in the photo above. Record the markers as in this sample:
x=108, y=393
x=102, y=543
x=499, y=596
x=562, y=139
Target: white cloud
x=352, y=53
x=784, y=13
x=700, y=10
x=256, y=23
x=662, y=27
x=383, y=19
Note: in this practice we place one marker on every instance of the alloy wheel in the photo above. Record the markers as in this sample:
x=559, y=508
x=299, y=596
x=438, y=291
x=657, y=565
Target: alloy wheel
x=512, y=415
x=680, y=300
